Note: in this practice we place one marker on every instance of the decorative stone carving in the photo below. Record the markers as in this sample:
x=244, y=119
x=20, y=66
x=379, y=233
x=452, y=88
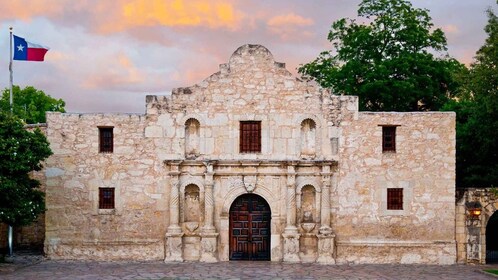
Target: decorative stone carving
x=290, y=227
x=192, y=207
x=291, y=247
x=173, y=247
x=208, y=247
x=174, y=213
x=250, y=183
x=326, y=249
x=308, y=227
x=191, y=227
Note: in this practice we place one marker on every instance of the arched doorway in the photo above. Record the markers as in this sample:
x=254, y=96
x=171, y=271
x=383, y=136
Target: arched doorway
x=492, y=239
x=249, y=231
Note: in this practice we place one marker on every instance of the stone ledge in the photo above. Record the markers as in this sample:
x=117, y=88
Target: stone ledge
x=382, y=243
x=117, y=242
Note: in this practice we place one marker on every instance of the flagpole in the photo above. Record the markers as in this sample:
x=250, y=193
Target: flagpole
x=10, y=233
x=11, y=72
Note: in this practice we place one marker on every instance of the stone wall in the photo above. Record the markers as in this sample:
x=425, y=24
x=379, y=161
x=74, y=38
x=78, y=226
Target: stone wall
x=423, y=165
x=75, y=226
x=177, y=170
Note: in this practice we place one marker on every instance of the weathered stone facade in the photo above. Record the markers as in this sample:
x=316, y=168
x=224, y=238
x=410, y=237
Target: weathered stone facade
x=177, y=170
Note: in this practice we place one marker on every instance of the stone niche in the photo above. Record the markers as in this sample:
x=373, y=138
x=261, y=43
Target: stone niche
x=308, y=139
x=192, y=213
x=308, y=218
x=192, y=138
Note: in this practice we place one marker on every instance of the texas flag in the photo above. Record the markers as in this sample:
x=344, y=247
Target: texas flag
x=24, y=50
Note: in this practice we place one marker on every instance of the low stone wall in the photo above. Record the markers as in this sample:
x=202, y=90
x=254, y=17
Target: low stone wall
x=440, y=253
x=144, y=250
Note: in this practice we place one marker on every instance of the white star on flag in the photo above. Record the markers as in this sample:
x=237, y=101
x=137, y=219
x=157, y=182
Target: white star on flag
x=20, y=48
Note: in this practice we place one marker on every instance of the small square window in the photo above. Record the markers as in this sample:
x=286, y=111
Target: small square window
x=106, y=198
x=250, y=137
x=106, y=139
x=395, y=199
x=388, y=138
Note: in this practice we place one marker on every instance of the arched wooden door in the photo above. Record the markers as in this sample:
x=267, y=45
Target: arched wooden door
x=250, y=217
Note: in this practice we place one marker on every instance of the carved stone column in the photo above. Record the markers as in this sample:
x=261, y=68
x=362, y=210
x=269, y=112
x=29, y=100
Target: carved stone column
x=325, y=203
x=209, y=242
x=174, y=233
x=326, y=239
x=291, y=235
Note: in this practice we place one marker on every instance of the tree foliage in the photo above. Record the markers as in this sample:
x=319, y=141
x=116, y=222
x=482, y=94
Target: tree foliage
x=21, y=152
x=477, y=116
x=30, y=104
x=388, y=61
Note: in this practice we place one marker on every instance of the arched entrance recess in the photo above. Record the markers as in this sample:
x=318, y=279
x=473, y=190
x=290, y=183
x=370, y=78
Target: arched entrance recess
x=250, y=219
x=492, y=239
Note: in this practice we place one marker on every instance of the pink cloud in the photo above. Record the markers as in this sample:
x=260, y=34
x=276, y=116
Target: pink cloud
x=290, y=26
x=289, y=20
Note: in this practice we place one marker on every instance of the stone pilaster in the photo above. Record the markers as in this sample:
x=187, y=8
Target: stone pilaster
x=291, y=235
x=209, y=245
x=209, y=242
x=325, y=203
x=174, y=232
x=326, y=239
x=326, y=245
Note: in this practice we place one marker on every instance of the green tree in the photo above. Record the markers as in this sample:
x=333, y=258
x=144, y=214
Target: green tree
x=477, y=116
x=21, y=151
x=389, y=61
x=30, y=104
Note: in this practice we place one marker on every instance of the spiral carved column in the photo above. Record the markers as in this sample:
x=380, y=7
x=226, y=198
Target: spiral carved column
x=174, y=233
x=209, y=236
x=291, y=235
x=326, y=238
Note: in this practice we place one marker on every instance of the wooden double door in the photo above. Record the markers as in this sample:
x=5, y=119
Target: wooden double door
x=250, y=219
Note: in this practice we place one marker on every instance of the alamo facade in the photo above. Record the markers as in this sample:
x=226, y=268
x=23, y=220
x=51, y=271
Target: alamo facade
x=252, y=164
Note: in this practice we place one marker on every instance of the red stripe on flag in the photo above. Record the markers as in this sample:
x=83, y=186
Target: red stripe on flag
x=36, y=54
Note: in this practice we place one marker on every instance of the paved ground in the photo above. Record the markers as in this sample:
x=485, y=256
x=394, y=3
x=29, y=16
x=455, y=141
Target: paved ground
x=35, y=267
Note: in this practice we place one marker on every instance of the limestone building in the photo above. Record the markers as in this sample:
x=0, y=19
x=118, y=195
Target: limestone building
x=252, y=163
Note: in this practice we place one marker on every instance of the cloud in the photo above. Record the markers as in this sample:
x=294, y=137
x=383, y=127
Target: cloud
x=290, y=26
x=120, y=73
x=26, y=10
x=450, y=29
x=174, y=13
x=289, y=20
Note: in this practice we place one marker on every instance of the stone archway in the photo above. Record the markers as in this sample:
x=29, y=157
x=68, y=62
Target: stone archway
x=249, y=229
x=491, y=239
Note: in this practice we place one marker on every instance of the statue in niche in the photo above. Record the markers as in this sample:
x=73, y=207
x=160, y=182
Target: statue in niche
x=192, y=204
x=308, y=204
x=308, y=131
x=192, y=138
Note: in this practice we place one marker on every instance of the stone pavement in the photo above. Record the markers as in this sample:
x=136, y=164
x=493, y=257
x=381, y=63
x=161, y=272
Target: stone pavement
x=49, y=269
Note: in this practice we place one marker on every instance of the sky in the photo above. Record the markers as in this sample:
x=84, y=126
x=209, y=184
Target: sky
x=106, y=56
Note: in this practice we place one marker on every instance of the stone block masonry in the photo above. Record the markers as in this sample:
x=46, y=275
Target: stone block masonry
x=252, y=163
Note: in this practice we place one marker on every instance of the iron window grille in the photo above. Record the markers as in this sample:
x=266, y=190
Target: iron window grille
x=106, y=198
x=395, y=199
x=106, y=143
x=388, y=138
